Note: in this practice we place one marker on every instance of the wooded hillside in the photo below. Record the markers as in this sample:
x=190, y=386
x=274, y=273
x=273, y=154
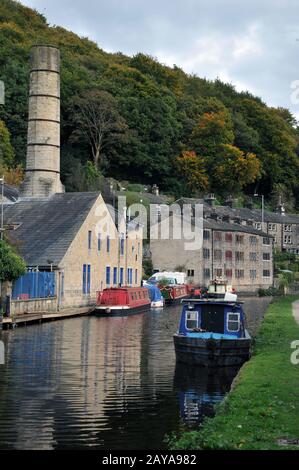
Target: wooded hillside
x=184, y=133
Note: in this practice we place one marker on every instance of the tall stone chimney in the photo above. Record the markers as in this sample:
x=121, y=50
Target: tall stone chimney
x=43, y=143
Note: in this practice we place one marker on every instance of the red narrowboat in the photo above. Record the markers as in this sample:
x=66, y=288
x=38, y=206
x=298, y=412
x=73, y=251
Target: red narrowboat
x=116, y=301
x=174, y=293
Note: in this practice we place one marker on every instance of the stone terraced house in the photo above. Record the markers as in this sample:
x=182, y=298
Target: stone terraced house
x=283, y=227
x=242, y=255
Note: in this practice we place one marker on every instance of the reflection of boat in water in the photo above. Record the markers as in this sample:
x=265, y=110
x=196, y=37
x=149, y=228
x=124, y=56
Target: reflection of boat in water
x=212, y=333
x=200, y=388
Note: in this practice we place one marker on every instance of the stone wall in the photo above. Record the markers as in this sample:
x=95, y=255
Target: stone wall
x=18, y=307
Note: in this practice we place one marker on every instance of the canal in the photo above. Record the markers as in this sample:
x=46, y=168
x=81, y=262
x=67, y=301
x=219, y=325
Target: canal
x=104, y=383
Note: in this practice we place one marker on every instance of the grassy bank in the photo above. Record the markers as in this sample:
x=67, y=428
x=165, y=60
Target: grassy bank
x=263, y=407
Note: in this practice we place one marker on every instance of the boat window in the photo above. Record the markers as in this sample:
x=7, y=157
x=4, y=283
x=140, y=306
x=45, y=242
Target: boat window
x=233, y=321
x=191, y=319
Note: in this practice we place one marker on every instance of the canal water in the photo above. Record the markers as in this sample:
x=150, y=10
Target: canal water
x=104, y=383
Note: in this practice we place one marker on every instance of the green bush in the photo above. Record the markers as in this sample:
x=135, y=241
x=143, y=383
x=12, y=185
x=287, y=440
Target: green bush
x=270, y=292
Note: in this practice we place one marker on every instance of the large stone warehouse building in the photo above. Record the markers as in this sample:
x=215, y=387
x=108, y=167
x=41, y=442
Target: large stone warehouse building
x=72, y=244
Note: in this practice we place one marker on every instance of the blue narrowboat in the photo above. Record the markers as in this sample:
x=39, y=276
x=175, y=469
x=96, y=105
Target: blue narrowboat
x=212, y=333
x=156, y=298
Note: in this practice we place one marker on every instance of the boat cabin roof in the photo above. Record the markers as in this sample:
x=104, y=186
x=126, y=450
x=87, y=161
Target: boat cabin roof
x=203, y=318
x=213, y=301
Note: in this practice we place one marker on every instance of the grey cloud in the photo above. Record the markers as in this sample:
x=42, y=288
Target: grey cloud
x=252, y=44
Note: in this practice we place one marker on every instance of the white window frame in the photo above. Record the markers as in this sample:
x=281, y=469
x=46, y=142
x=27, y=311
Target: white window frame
x=266, y=277
x=234, y=321
x=272, y=227
x=186, y=319
x=287, y=239
x=287, y=227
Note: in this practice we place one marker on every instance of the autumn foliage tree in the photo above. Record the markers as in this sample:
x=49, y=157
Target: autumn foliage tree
x=13, y=174
x=192, y=169
x=234, y=169
x=6, y=149
x=212, y=130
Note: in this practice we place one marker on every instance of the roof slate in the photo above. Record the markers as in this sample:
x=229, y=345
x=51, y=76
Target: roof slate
x=47, y=227
x=243, y=212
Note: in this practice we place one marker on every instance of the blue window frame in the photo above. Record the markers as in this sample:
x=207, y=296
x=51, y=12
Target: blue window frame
x=108, y=275
x=89, y=239
x=130, y=276
x=88, y=279
x=62, y=284
x=99, y=242
x=122, y=244
x=114, y=276
x=108, y=243
x=121, y=276
x=84, y=279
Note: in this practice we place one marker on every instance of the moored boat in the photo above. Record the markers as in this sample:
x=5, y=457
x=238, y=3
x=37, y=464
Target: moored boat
x=212, y=333
x=173, y=293
x=218, y=288
x=115, y=301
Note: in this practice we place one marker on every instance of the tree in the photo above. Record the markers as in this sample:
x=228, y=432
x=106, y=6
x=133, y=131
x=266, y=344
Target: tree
x=212, y=130
x=12, y=176
x=12, y=266
x=6, y=149
x=192, y=168
x=286, y=280
x=99, y=122
x=233, y=169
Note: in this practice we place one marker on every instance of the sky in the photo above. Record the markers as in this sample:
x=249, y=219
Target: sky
x=252, y=44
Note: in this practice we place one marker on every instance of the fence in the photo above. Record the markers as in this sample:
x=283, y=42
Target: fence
x=34, y=285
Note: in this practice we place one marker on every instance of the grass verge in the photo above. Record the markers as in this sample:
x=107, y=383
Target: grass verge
x=262, y=410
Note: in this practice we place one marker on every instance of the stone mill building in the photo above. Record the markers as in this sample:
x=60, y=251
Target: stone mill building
x=73, y=243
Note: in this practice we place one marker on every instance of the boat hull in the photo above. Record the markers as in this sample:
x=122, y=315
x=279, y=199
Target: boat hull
x=212, y=352
x=120, y=311
x=175, y=301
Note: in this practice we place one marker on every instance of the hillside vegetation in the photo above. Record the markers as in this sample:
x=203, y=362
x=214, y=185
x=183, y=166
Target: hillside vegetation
x=184, y=133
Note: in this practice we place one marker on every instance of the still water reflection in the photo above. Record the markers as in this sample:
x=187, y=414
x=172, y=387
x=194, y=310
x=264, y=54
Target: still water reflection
x=104, y=383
